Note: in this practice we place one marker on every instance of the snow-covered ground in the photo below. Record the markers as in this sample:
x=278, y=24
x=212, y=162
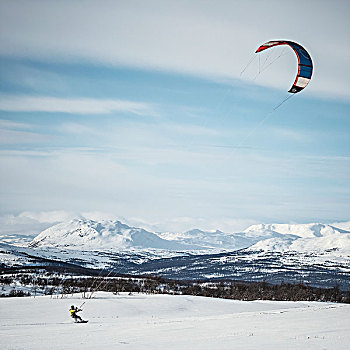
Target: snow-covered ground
x=172, y=322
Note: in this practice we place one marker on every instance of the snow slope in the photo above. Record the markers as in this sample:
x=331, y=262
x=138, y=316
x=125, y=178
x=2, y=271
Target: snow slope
x=172, y=322
x=299, y=230
x=116, y=236
x=345, y=225
x=300, y=238
x=107, y=234
x=211, y=239
x=102, y=235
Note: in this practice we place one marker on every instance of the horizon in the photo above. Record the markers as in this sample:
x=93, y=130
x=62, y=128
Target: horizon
x=31, y=223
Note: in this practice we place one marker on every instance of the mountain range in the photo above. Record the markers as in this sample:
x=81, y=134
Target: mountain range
x=315, y=253
x=113, y=235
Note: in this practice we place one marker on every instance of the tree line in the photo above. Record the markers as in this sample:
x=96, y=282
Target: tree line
x=26, y=284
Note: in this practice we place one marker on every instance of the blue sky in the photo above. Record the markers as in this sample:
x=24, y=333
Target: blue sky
x=139, y=109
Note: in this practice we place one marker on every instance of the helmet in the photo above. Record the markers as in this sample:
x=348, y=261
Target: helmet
x=72, y=307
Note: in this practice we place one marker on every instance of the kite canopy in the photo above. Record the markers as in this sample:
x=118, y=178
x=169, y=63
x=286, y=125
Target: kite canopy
x=304, y=63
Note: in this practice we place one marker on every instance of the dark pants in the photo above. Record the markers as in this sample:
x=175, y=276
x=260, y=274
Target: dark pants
x=77, y=318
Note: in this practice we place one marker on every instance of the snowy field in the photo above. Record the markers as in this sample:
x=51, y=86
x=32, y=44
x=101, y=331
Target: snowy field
x=172, y=322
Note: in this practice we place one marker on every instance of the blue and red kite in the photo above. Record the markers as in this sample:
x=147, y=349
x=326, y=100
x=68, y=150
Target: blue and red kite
x=304, y=63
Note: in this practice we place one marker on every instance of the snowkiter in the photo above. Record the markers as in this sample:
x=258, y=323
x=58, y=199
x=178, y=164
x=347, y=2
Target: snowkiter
x=74, y=313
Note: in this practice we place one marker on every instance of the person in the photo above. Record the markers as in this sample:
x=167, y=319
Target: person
x=74, y=313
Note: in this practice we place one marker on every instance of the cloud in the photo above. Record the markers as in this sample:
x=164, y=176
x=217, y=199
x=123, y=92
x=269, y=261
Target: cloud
x=186, y=163
x=72, y=105
x=9, y=124
x=194, y=130
x=15, y=133
x=15, y=137
x=160, y=184
x=51, y=217
x=31, y=223
x=80, y=129
x=197, y=37
x=184, y=223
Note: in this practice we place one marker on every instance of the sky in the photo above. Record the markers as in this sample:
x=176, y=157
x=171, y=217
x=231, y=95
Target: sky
x=161, y=112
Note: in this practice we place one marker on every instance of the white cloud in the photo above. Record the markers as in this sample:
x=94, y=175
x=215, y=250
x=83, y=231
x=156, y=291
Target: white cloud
x=9, y=124
x=16, y=137
x=77, y=128
x=51, y=217
x=14, y=133
x=194, y=130
x=163, y=171
x=71, y=105
x=161, y=185
x=184, y=223
x=31, y=223
x=213, y=39
x=290, y=134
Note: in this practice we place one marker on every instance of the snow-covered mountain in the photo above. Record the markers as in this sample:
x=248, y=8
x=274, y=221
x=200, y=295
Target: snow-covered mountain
x=115, y=235
x=103, y=235
x=211, y=239
x=316, y=253
x=300, y=230
x=301, y=238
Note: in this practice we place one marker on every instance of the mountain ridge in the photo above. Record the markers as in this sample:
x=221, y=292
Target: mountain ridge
x=89, y=234
x=315, y=253
x=104, y=234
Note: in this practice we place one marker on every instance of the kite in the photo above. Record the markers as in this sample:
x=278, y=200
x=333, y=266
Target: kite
x=304, y=63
